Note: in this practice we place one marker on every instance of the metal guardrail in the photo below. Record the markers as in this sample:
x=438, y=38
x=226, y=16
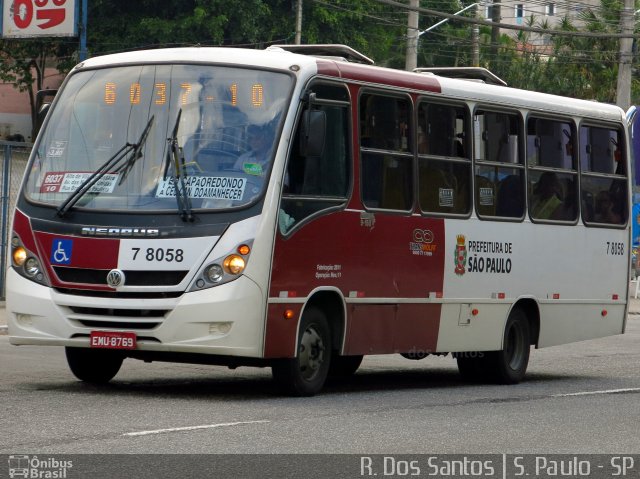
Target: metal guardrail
x=14, y=161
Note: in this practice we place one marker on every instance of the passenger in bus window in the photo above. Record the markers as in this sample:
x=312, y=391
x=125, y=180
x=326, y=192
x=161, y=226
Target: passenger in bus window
x=546, y=196
x=605, y=209
x=423, y=145
x=567, y=211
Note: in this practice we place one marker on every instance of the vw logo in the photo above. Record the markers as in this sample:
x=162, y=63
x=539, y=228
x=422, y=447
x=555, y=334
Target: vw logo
x=115, y=278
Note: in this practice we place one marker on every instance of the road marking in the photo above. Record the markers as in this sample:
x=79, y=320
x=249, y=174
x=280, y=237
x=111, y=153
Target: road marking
x=192, y=428
x=593, y=393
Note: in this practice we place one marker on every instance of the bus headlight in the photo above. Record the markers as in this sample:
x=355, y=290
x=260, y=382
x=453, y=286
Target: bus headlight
x=234, y=264
x=19, y=256
x=223, y=269
x=214, y=273
x=32, y=267
x=26, y=263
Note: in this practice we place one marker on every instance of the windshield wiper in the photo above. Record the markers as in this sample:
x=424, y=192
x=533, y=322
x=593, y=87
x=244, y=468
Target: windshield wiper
x=175, y=154
x=94, y=177
x=137, y=152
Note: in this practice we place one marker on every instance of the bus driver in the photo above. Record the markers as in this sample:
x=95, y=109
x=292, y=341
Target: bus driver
x=256, y=160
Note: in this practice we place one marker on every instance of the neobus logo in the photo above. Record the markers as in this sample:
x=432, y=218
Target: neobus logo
x=138, y=232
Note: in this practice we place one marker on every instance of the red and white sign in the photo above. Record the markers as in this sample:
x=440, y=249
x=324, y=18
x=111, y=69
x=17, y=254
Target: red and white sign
x=32, y=18
x=70, y=181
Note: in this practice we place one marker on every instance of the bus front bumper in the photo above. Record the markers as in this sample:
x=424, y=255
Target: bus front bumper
x=227, y=320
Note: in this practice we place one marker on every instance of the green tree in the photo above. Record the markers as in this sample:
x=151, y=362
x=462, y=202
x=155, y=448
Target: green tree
x=575, y=66
x=23, y=62
x=366, y=25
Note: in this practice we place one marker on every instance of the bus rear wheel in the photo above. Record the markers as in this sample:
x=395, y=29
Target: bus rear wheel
x=97, y=366
x=305, y=374
x=507, y=366
x=510, y=365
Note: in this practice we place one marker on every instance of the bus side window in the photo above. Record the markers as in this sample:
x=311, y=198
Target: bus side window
x=385, y=141
x=316, y=183
x=553, y=170
x=603, y=176
x=499, y=169
x=444, y=170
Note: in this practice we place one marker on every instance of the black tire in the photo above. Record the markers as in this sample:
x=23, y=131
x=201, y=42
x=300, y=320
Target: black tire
x=472, y=365
x=305, y=374
x=344, y=366
x=415, y=356
x=503, y=367
x=97, y=366
x=510, y=365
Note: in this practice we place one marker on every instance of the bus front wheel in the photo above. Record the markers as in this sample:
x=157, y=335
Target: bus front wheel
x=344, y=366
x=305, y=374
x=96, y=366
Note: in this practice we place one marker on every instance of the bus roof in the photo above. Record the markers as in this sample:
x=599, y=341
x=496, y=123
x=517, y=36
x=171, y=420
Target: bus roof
x=278, y=58
x=274, y=58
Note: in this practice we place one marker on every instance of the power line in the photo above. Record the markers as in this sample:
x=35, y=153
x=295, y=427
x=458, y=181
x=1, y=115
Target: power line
x=508, y=26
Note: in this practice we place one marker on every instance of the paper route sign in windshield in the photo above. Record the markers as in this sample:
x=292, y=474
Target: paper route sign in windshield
x=210, y=187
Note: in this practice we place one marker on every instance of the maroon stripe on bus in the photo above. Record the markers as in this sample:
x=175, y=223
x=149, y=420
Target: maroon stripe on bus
x=379, y=76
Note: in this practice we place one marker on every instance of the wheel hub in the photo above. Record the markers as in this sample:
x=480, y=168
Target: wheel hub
x=311, y=353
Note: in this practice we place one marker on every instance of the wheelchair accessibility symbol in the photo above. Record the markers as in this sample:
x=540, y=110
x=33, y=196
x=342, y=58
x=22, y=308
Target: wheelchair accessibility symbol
x=61, y=251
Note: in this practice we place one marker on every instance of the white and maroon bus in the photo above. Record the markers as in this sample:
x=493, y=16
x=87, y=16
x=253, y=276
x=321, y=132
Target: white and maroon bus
x=299, y=208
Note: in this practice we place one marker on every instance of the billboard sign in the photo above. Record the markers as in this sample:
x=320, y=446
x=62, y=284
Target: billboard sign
x=39, y=18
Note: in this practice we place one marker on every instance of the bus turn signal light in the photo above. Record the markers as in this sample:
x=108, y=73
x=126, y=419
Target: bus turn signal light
x=244, y=249
x=288, y=314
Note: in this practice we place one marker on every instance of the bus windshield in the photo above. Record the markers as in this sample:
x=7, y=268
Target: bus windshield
x=141, y=137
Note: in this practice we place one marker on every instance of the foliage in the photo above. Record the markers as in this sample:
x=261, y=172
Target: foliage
x=22, y=63
x=573, y=66
x=579, y=67
x=117, y=25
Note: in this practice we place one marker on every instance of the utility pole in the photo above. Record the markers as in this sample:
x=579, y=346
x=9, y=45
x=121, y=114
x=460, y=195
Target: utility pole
x=475, y=38
x=298, y=40
x=623, y=91
x=411, y=58
x=496, y=17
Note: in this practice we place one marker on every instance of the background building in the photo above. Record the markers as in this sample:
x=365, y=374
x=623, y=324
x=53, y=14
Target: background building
x=15, y=109
x=517, y=12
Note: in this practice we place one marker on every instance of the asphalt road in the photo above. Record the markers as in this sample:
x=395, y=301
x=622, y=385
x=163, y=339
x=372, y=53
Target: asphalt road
x=578, y=398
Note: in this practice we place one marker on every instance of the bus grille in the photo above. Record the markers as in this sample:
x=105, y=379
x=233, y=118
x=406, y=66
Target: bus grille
x=133, y=278
x=131, y=318
x=118, y=325
x=119, y=294
x=121, y=313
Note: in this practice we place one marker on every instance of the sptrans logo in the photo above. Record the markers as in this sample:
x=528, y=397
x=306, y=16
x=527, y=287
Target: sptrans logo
x=422, y=244
x=460, y=255
x=35, y=468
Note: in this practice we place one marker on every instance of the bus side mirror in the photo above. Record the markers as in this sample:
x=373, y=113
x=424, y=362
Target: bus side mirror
x=42, y=107
x=42, y=113
x=312, y=133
